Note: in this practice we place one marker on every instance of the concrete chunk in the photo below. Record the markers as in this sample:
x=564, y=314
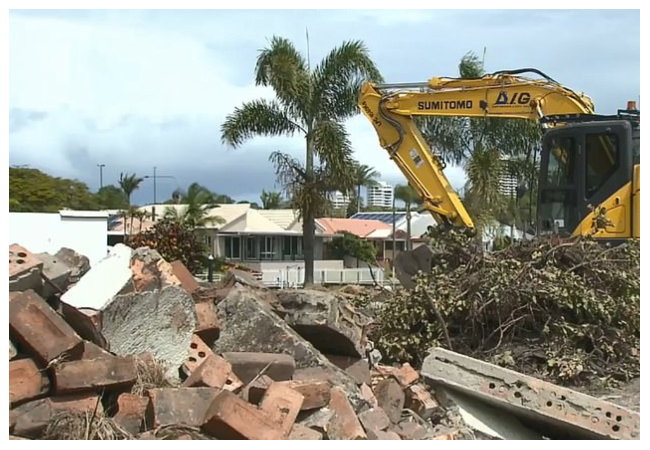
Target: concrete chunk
x=554, y=411
x=40, y=330
x=78, y=264
x=328, y=321
x=57, y=272
x=249, y=325
x=158, y=322
x=150, y=271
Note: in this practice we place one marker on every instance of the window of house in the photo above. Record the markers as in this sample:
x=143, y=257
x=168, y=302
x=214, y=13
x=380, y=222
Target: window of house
x=233, y=246
x=251, y=247
x=602, y=161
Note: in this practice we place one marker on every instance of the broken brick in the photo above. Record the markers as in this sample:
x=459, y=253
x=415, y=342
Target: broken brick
x=358, y=369
x=374, y=419
x=411, y=431
x=247, y=365
x=39, y=329
x=90, y=374
x=316, y=393
x=179, y=406
x=299, y=432
x=282, y=404
x=199, y=351
x=369, y=396
x=344, y=423
x=406, y=375
x=214, y=372
x=24, y=270
x=207, y=323
x=85, y=323
x=381, y=435
x=27, y=381
x=131, y=410
x=420, y=401
x=93, y=351
x=32, y=418
x=184, y=276
x=230, y=417
x=391, y=398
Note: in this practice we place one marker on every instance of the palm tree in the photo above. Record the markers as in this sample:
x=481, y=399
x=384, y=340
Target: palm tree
x=407, y=194
x=364, y=176
x=129, y=183
x=198, y=202
x=313, y=103
x=271, y=200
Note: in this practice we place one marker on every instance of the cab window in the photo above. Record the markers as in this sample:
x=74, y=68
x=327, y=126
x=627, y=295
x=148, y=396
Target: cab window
x=561, y=162
x=602, y=161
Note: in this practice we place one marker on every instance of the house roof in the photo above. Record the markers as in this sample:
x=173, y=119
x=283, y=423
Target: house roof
x=358, y=227
x=281, y=217
x=384, y=216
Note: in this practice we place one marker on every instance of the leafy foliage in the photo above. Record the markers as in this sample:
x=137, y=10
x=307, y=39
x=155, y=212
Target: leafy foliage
x=173, y=240
x=314, y=103
x=111, y=197
x=351, y=245
x=129, y=184
x=271, y=200
x=31, y=190
x=195, y=211
x=570, y=309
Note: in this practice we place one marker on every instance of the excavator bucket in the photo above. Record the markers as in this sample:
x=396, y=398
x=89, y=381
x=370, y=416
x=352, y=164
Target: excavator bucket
x=409, y=263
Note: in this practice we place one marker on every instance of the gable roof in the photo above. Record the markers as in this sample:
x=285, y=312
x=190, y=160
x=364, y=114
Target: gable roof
x=281, y=217
x=253, y=222
x=358, y=227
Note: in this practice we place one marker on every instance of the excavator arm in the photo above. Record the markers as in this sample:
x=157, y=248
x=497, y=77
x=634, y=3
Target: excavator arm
x=391, y=107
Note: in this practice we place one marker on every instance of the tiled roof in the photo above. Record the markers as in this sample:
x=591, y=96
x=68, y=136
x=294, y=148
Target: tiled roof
x=358, y=227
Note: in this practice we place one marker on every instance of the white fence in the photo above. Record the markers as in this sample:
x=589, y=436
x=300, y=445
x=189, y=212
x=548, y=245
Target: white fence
x=295, y=277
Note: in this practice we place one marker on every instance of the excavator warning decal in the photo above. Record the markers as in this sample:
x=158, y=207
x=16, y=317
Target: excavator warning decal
x=415, y=156
x=518, y=99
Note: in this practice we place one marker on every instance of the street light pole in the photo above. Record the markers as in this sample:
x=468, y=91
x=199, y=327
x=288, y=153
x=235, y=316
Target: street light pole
x=154, y=185
x=101, y=175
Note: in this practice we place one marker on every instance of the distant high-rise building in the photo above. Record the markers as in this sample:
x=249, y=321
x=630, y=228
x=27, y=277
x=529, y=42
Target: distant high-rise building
x=508, y=185
x=380, y=195
x=340, y=201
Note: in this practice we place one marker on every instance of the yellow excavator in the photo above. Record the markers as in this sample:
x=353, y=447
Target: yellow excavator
x=589, y=177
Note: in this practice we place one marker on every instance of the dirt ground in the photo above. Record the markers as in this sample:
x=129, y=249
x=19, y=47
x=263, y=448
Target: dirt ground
x=628, y=395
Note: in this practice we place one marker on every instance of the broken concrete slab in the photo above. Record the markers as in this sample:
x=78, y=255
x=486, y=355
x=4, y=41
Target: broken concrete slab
x=78, y=264
x=57, y=274
x=486, y=419
x=250, y=325
x=552, y=410
x=150, y=271
x=109, y=277
x=244, y=278
x=326, y=320
x=158, y=322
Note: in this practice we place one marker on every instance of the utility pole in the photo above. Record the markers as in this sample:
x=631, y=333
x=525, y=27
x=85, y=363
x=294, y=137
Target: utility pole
x=101, y=175
x=154, y=185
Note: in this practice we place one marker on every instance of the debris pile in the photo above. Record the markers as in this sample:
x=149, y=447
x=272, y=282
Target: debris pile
x=568, y=311
x=135, y=348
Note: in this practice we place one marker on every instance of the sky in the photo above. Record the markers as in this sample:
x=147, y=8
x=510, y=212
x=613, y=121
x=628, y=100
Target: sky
x=134, y=89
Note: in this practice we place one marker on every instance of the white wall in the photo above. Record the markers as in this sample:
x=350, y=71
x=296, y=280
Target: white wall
x=83, y=231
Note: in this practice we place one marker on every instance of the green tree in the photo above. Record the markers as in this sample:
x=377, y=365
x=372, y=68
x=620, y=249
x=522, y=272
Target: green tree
x=31, y=190
x=111, y=197
x=313, y=103
x=195, y=212
x=271, y=200
x=410, y=197
x=487, y=148
x=364, y=176
x=129, y=184
x=352, y=245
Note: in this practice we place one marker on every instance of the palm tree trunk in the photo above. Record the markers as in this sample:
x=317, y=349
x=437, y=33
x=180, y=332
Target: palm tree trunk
x=308, y=227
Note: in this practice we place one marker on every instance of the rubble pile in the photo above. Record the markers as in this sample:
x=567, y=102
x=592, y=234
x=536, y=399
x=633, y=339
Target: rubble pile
x=135, y=348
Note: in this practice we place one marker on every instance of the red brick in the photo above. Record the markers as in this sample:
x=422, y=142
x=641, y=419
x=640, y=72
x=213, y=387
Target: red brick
x=247, y=365
x=179, y=406
x=420, y=401
x=369, y=396
x=199, y=351
x=131, y=410
x=40, y=330
x=24, y=270
x=374, y=419
x=94, y=351
x=406, y=375
x=111, y=373
x=207, y=323
x=381, y=435
x=32, y=418
x=316, y=393
x=300, y=432
x=184, y=276
x=230, y=417
x=411, y=431
x=282, y=404
x=214, y=372
x=391, y=398
x=357, y=368
x=27, y=381
x=344, y=423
